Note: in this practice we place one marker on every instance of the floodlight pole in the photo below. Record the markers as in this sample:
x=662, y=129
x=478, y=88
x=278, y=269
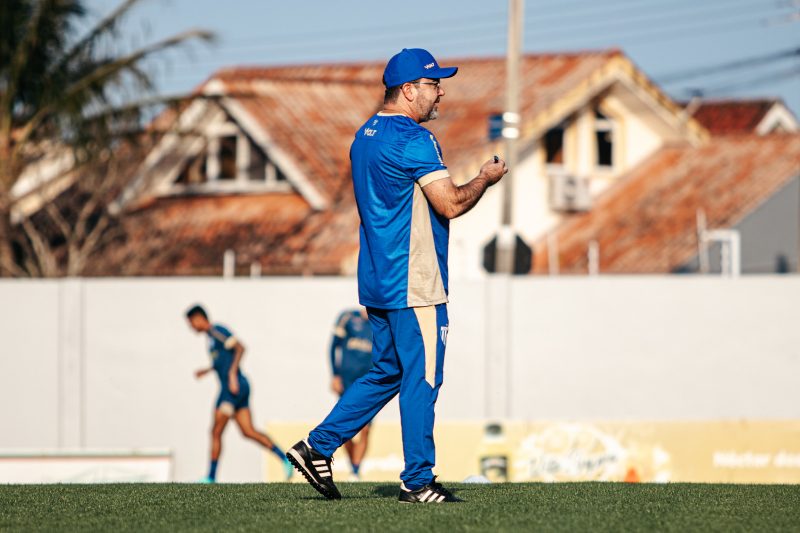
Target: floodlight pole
x=506, y=241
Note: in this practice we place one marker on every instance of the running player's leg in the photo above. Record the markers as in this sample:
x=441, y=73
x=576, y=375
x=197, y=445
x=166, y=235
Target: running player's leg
x=244, y=419
x=221, y=416
x=366, y=396
x=420, y=335
x=359, y=448
x=348, y=447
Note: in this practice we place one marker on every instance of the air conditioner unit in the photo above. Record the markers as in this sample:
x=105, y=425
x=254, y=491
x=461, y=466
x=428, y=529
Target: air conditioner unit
x=569, y=192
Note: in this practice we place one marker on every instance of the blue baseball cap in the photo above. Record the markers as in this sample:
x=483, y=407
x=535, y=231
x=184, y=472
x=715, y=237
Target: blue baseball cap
x=412, y=64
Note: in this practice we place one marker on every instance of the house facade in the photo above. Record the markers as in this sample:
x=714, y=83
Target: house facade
x=252, y=177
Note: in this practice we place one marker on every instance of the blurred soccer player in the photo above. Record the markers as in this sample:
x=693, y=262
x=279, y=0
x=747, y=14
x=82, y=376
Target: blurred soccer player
x=234, y=396
x=351, y=358
x=405, y=200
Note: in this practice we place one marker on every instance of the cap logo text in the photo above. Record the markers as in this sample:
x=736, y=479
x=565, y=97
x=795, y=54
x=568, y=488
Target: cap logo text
x=429, y=66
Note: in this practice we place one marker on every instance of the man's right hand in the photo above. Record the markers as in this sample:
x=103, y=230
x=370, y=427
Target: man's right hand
x=492, y=171
x=336, y=385
x=452, y=201
x=202, y=372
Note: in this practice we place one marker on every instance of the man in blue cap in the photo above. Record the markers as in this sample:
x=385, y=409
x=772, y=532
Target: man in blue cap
x=405, y=200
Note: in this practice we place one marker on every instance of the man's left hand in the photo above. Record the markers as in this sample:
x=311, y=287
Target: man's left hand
x=233, y=384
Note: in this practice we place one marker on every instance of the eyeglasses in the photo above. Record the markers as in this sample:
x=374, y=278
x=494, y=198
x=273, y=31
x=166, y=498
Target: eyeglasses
x=435, y=84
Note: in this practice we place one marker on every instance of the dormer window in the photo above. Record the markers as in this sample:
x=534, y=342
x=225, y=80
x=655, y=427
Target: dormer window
x=604, y=135
x=194, y=171
x=554, y=145
x=230, y=162
x=262, y=170
x=227, y=157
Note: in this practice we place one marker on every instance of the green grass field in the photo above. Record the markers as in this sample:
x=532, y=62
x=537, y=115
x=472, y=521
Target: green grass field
x=373, y=507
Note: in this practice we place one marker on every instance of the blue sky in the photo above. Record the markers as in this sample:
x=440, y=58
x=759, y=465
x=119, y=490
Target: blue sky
x=666, y=38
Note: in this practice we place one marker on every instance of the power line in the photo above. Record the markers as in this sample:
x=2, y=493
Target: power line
x=593, y=5
x=450, y=21
x=782, y=20
x=717, y=13
x=382, y=29
x=366, y=39
x=487, y=22
x=732, y=65
x=649, y=37
x=750, y=83
x=650, y=11
x=641, y=37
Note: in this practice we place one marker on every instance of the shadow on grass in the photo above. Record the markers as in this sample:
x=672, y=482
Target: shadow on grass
x=386, y=491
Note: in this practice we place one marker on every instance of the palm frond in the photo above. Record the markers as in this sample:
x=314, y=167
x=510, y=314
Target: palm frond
x=74, y=98
x=86, y=43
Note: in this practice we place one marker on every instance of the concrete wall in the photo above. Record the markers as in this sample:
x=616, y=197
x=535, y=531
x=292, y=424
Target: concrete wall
x=108, y=363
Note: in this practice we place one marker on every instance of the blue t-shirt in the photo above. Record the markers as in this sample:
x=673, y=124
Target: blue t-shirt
x=351, y=347
x=220, y=346
x=402, y=261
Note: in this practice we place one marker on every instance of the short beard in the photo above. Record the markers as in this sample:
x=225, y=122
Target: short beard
x=433, y=114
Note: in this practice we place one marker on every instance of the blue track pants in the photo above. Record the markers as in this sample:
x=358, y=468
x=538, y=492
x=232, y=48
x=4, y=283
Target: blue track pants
x=407, y=357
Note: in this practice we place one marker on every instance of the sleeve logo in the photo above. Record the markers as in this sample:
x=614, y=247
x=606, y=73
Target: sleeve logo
x=436, y=147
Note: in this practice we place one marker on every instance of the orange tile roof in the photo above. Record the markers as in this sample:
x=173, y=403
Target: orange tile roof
x=646, y=223
x=724, y=117
x=189, y=235
x=311, y=112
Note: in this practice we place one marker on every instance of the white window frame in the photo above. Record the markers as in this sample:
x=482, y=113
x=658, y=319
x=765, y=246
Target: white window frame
x=605, y=125
x=242, y=182
x=557, y=167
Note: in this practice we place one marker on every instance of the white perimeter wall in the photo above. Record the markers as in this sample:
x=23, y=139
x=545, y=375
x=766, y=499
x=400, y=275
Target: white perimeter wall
x=108, y=363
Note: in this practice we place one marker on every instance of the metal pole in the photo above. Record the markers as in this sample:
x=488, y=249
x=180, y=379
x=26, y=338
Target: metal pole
x=593, y=255
x=702, y=243
x=736, y=253
x=506, y=241
x=229, y=264
x=552, y=253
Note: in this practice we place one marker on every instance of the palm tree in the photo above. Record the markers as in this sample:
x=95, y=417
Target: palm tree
x=62, y=90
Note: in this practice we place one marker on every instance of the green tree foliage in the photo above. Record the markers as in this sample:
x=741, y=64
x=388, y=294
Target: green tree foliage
x=75, y=94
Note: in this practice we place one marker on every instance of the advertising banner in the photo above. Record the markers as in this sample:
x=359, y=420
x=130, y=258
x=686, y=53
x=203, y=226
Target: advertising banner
x=751, y=451
x=85, y=466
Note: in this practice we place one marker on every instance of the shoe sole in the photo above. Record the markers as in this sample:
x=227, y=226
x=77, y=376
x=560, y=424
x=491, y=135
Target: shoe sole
x=422, y=503
x=426, y=503
x=414, y=502
x=300, y=466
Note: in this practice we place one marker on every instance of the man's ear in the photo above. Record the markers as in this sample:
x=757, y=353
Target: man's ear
x=409, y=91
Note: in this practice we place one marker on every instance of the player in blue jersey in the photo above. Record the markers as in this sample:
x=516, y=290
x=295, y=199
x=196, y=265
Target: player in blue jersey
x=351, y=358
x=234, y=395
x=405, y=200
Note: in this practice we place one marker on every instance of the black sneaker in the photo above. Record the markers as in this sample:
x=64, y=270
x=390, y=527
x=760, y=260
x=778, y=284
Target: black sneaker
x=315, y=467
x=433, y=492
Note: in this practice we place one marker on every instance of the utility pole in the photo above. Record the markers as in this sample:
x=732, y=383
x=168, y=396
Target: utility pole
x=506, y=239
x=498, y=359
